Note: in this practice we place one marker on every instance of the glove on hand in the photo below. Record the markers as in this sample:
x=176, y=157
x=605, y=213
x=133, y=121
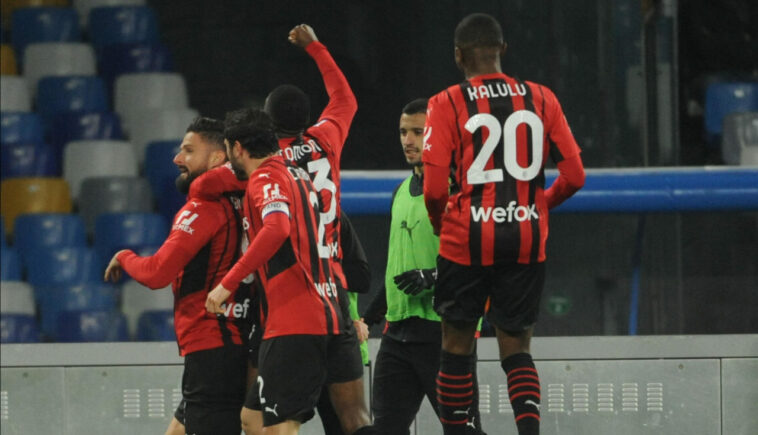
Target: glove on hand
x=413, y=281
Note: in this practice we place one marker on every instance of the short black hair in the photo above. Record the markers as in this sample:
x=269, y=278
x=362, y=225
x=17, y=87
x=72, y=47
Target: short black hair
x=289, y=107
x=253, y=129
x=478, y=31
x=416, y=106
x=210, y=129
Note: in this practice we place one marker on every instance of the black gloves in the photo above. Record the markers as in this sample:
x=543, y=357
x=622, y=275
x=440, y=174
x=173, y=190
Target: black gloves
x=413, y=281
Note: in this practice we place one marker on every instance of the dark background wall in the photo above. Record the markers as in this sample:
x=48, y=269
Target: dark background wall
x=698, y=271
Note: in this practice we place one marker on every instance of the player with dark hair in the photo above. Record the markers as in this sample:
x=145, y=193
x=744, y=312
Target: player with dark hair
x=308, y=342
x=495, y=132
x=409, y=355
x=204, y=242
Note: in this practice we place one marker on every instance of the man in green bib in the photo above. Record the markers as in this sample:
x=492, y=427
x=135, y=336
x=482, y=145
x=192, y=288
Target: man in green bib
x=408, y=359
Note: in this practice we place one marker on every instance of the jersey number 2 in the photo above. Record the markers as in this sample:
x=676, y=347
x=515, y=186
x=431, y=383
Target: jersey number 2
x=476, y=173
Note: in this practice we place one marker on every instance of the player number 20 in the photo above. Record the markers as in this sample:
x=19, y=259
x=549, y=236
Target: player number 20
x=476, y=173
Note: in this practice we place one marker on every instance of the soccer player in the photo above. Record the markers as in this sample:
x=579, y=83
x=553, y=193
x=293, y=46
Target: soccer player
x=308, y=342
x=409, y=355
x=202, y=246
x=495, y=132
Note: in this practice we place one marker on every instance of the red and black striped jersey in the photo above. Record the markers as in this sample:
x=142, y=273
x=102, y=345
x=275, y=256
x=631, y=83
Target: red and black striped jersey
x=205, y=240
x=300, y=291
x=319, y=149
x=495, y=133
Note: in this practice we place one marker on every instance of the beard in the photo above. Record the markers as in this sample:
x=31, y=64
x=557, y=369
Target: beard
x=238, y=170
x=184, y=180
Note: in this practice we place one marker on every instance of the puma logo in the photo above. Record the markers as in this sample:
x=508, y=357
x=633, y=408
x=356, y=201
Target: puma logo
x=531, y=402
x=404, y=226
x=272, y=410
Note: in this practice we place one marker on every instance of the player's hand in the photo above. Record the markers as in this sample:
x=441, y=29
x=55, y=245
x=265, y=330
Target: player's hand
x=413, y=281
x=216, y=300
x=113, y=271
x=362, y=329
x=302, y=35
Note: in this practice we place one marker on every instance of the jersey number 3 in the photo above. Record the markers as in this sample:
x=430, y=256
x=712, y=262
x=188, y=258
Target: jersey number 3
x=476, y=173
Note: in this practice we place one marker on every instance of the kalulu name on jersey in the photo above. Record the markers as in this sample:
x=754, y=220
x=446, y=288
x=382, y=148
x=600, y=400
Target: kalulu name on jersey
x=494, y=90
x=500, y=214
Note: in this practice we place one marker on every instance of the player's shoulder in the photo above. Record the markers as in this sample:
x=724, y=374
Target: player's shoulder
x=540, y=89
x=209, y=207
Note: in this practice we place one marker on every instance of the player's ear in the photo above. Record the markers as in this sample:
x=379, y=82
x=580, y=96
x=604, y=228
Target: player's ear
x=459, y=57
x=503, y=48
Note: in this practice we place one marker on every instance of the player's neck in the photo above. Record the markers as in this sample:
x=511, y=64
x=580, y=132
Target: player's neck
x=253, y=164
x=482, y=69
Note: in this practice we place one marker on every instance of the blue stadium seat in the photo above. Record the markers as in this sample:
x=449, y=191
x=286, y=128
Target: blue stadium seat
x=43, y=24
x=91, y=326
x=63, y=265
x=62, y=94
x=10, y=264
x=3, y=240
x=18, y=328
x=20, y=127
x=122, y=25
x=722, y=99
x=47, y=230
x=67, y=127
x=156, y=325
x=161, y=172
x=116, y=231
x=134, y=58
x=29, y=160
x=85, y=296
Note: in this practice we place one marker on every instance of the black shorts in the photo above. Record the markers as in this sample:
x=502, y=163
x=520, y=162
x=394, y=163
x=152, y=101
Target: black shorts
x=254, y=344
x=513, y=290
x=213, y=390
x=294, y=368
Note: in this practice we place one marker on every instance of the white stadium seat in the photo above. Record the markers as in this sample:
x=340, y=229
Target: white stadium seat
x=57, y=59
x=136, y=298
x=158, y=125
x=14, y=95
x=134, y=93
x=16, y=297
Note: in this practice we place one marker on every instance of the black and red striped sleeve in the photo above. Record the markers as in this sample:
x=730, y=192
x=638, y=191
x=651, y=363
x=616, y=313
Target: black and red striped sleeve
x=194, y=226
x=438, y=149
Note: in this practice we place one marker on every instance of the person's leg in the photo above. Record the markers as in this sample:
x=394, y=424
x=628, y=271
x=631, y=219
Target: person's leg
x=347, y=398
x=398, y=390
x=329, y=419
x=251, y=416
x=523, y=379
x=175, y=427
x=455, y=379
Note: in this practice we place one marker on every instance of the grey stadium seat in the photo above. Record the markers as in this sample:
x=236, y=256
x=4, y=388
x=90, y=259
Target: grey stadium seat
x=113, y=194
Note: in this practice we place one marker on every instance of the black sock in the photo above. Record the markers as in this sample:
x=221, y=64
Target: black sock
x=524, y=392
x=455, y=391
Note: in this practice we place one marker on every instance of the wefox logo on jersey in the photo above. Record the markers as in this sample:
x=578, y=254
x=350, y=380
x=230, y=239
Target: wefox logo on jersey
x=238, y=310
x=327, y=289
x=509, y=214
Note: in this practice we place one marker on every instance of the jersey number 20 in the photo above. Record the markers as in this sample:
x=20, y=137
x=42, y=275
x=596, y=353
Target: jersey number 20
x=477, y=174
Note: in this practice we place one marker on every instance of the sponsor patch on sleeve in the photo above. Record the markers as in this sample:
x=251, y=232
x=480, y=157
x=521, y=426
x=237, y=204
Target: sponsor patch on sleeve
x=273, y=207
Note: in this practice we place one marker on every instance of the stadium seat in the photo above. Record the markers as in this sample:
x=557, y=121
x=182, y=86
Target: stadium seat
x=47, y=59
x=159, y=125
x=722, y=99
x=91, y=326
x=135, y=93
x=56, y=95
x=113, y=194
x=29, y=160
x=16, y=297
x=8, y=61
x=134, y=58
x=20, y=127
x=161, y=172
x=42, y=24
x=109, y=25
x=739, y=145
x=3, y=241
x=63, y=266
x=8, y=6
x=14, y=95
x=116, y=231
x=156, y=326
x=33, y=195
x=72, y=126
x=18, y=328
x=10, y=269
x=137, y=299
x=97, y=158
x=83, y=296
x=83, y=7
x=47, y=230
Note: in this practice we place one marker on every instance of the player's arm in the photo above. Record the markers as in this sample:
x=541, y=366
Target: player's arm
x=565, y=153
x=377, y=308
x=183, y=243
x=354, y=261
x=215, y=181
x=438, y=143
x=338, y=114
